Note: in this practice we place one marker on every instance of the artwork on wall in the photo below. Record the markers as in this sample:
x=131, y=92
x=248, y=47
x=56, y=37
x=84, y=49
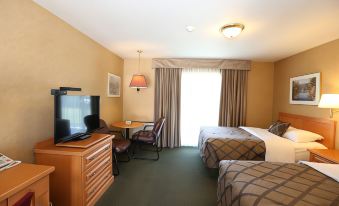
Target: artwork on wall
x=113, y=86
x=305, y=89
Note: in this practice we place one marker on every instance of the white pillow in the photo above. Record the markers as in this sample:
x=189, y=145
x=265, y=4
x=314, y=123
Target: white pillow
x=299, y=135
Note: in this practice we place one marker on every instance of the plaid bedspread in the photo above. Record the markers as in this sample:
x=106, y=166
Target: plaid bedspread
x=257, y=183
x=229, y=143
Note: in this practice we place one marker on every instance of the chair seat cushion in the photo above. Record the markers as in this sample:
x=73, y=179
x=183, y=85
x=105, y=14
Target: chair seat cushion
x=121, y=145
x=144, y=136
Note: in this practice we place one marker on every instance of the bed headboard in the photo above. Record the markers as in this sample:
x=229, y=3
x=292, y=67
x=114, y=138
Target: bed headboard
x=324, y=127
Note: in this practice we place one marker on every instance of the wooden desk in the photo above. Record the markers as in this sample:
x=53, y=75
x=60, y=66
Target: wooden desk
x=19, y=180
x=125, y=126
x=82, y=175
x=324, y=156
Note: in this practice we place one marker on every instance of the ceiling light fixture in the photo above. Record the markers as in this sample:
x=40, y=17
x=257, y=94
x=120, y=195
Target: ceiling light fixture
x=232, y=30
x=138, y=80
x=190, y=28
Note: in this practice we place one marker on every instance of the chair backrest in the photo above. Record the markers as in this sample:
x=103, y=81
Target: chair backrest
x=103, y=128
x=158, y=126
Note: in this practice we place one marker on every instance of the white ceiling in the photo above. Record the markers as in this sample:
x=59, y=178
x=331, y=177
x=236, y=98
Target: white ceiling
x=274, y=29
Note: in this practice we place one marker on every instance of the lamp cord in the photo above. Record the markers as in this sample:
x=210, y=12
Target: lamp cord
x=139, y=51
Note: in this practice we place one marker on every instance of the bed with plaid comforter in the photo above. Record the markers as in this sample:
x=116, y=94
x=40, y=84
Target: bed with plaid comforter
x=229, y=143
x=257, y=183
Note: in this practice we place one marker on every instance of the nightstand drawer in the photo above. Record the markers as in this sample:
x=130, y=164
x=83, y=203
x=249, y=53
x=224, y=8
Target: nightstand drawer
x=316, y=158
x=330, y=156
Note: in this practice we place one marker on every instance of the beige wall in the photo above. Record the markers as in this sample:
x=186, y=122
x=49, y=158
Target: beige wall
x=139, y=106
x=324, y=59
x=260, y=95
x=38, y=52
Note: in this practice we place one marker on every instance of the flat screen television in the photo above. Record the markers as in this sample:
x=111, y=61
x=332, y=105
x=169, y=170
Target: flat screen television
x=75, y=117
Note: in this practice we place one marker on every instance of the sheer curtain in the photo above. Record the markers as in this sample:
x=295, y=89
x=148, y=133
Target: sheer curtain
x=200, y=100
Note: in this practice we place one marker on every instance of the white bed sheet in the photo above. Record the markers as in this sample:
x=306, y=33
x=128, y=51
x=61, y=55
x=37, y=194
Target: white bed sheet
x=301, y=149
x=279, y=149
x=331, y=170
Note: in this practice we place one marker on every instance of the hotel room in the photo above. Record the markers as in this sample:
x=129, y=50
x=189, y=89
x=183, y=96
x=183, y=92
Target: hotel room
x=142, y=103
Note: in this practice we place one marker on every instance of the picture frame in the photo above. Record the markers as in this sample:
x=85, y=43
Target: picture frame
x=113, y=85
x=305, y=89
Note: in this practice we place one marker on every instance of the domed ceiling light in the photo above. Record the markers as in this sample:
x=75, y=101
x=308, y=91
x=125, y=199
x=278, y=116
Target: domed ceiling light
x=232, y=30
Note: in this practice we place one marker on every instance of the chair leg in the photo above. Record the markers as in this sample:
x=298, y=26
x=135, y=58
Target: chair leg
x=144, y=158
x=128, y=157
x=156, y=147
x=160, y=144
x=115, y=165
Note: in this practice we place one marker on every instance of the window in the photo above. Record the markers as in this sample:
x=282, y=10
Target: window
x=200, y=99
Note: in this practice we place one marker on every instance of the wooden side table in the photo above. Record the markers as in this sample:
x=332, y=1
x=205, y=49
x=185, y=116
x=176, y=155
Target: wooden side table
x=22, y=179
x=125, y=126
x=324, y=156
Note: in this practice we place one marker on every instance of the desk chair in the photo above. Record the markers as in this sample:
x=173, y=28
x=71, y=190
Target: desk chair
x=150, y=137
x=120, y=145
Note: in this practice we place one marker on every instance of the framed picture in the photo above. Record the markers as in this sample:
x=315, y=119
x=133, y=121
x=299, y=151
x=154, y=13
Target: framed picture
x=305, y=89
x=113, y=85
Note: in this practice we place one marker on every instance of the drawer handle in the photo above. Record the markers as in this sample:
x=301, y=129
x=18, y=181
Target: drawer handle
x=94, y=173
x=95, y=156
x=93, y=191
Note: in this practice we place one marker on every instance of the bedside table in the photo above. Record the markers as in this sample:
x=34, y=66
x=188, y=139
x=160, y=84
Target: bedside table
x=324, y=155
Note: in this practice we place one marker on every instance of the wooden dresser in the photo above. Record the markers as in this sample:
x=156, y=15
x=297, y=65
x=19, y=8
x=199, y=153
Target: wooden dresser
x=19, y=180
x=83, y=169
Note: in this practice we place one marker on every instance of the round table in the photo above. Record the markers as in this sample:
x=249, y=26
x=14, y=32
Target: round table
x=125, y=126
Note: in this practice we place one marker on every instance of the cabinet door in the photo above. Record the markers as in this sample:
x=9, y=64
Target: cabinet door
x=40, y=190
x=3, y=203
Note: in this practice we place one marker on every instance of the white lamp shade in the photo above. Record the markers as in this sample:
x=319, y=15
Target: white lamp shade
x=232, y=30
x=329, y=101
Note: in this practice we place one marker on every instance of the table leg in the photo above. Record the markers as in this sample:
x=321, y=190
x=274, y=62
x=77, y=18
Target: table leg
x=127, y=133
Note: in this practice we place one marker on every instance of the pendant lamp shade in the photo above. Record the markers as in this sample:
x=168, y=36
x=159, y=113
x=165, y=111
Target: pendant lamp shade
x=138, y=81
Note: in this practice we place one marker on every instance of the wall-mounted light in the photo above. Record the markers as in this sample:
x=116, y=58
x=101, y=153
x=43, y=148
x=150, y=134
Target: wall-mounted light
x=330, y=101
x=138, y=80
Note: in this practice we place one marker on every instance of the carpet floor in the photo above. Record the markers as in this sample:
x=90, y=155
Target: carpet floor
x=177, y=178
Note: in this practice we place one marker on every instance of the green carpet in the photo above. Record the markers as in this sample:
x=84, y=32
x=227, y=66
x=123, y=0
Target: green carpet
x=177, y=178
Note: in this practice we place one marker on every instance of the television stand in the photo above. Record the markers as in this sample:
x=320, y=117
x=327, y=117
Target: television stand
x=82, y=137
x=82, y=175
x=82, y=143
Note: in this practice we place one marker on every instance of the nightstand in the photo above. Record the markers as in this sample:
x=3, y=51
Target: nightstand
x=324, y=156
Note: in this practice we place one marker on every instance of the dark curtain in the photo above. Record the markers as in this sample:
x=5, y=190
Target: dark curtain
x=233, y=98
x=167, y=104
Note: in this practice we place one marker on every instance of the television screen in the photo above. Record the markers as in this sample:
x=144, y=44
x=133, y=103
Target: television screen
x=75, y=116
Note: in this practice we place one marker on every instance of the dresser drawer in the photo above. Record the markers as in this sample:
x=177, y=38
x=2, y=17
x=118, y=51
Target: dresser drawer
x=93, y=172
x=99, y=182
x=96, y=154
